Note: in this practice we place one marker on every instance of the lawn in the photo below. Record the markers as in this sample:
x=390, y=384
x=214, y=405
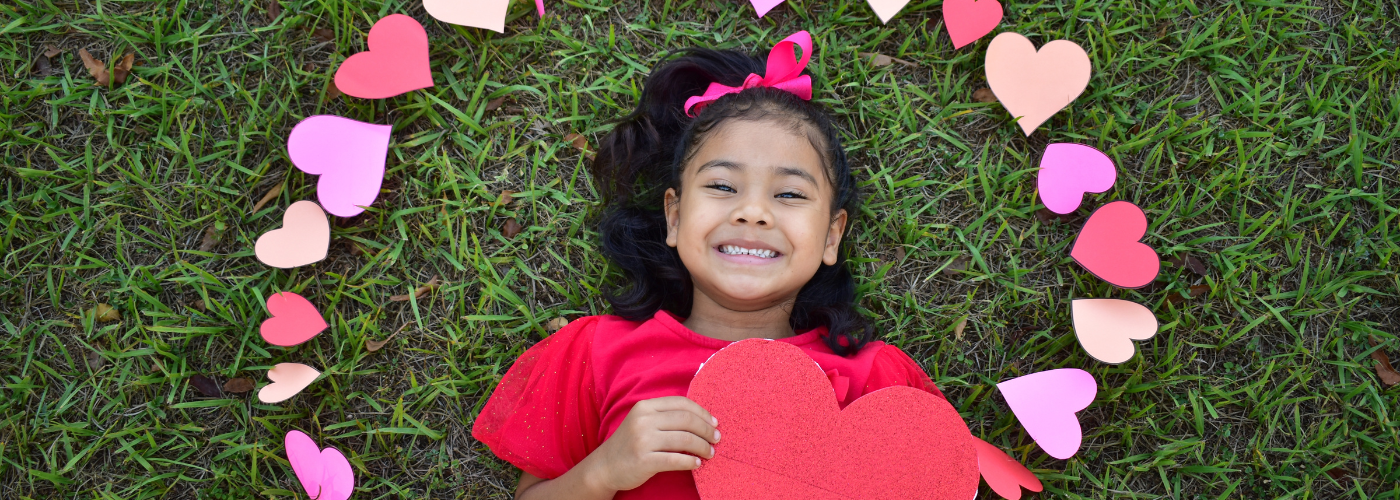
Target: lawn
x=1260, y=137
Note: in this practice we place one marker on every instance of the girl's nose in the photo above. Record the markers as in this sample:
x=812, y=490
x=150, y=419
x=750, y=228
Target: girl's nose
x=755, y=210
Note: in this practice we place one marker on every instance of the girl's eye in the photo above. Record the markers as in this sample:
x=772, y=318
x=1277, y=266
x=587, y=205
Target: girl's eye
x=721, y=187
x=793, y=195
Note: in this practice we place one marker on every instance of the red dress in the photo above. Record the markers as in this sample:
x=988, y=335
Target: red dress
x=572, y=390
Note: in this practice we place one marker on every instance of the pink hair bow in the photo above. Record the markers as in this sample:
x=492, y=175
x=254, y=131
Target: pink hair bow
x=784, y=72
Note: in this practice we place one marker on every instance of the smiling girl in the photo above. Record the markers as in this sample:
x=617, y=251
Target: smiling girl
x=729, y=200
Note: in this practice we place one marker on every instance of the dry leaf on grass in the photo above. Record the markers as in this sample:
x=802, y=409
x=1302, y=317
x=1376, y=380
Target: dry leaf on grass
x=375, y=345
x=238, y=385
x=984, y=95
x=1189, y=261
x=95, y=68
x=332, y=92
x=205, y=386
x=899, y=255
x=578, y=140
x=211, y=238
x=419, y=292
x=1199, y=290
x=958, y=264
x=1045, y=216
x=95, y=360
x=496, y=103
x=958, y=328
x=104, y=313
x=271, y=194
x=51, y=50
x=511, y=228
x=123, y=68
x=881, y=60
x=274, y=10
x=1384, y=370
x=555, y=324
x=507, y=197
x=325, y=35
x=43, y=64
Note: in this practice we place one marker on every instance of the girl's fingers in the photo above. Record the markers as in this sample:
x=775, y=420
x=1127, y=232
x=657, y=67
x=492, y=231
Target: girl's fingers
x=664, y=461
x=678, y=403
x=682, y=441
x=688, y=422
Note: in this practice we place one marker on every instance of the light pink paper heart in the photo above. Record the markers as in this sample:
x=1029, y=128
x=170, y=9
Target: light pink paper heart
x=303, y=239
x=1034, y=85
x=886, y=9
x=349, y=156
x=1106, y=328
x=288, y=379
x=1046, y=404
x=324, y=474
x=968, y=20
x=484, y=14
x=1068, y=170
x=763, y=6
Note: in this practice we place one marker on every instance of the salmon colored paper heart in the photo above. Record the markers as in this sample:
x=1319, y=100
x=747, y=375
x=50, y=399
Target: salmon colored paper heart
x=349, y=156
x=1005, y=476
x=1068, y=170
x=1032, y=85
x=303, y=239
x=785, y=436
x=1106, y=328
x=968, y=20
x=886, y=9
x=484, y=14
x=396, y=62
x=1108, y=246
x=294, y=320
x=288, y=379
x=1046, y=402
x=324, y=474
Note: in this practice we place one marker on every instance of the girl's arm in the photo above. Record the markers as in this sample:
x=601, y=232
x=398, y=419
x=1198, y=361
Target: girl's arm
x=658, y=435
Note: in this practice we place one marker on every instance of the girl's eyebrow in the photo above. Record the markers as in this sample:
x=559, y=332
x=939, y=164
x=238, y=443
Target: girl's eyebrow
x=780, y=171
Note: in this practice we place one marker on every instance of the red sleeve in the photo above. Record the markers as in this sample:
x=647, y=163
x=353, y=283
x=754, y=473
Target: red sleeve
x=543, y=416
x=892, y=367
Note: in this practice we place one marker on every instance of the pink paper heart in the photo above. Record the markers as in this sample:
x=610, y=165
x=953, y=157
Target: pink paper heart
x=396, y=62
x=1034, y=85
x=1067, y=171
x=763, y=6
x=288, y=379
x=886, y=9
x=1106, y=328
x=968, y=20
x=294, y=320
x=324, y=474
x=1108, y=246
x=484, y=14
x=303, y=239
x=1046, y=402
x=349, y=156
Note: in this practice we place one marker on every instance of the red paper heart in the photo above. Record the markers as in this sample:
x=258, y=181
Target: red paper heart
x=1108, y=246
x=396, y=62
x=968, y=20
x=785, y=436
x=1003, y=474
x=294, y=320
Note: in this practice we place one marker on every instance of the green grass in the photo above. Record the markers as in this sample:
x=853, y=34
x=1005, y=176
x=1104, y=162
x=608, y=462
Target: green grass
x=1259, y=136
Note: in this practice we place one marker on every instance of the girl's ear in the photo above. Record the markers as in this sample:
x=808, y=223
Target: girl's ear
x=673, y=216
x=833, y=237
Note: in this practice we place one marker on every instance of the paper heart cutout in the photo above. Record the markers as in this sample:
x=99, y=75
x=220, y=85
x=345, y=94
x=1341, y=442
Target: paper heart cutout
x=1046, y=402
x=968, y=20
x=1003, y=474
x=294, y=320
x=1034, y=85
x=1068, y=170
x=1108, y=246
x=288, y=379
x=303, y=239
x=396, y=62
x=763, y=6
x=324, y=474
x=886, y=9
x=349, y=156
x=1106, y=328
x=484, y=14
x=785, y=435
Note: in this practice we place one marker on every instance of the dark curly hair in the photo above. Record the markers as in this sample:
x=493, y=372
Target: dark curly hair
x=644, y=155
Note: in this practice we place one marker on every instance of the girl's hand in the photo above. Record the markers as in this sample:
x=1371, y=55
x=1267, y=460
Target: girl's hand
x=658, y=435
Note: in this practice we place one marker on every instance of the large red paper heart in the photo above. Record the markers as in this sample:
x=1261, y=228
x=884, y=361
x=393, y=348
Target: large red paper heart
x=1004, y=474
x=294, y=320
x=396, y=62
x=1108, y=246
x=786, y=437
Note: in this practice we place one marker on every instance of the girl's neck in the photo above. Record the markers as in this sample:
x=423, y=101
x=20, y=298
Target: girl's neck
x=711, y=319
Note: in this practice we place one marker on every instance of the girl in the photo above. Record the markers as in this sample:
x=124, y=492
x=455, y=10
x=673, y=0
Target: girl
x=728, y=198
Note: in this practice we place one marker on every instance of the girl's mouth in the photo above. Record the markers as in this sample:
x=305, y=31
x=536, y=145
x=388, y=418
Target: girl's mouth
x=738, y=254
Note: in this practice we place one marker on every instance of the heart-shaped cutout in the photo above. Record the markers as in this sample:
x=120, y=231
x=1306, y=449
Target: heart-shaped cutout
x=484, y=14
x=288, y=379
x=968, y=20
x=303, y=239
x=1005, y=476
x=1106, y=328
x=886, y=9
x=785, y=436
x=294, y=320
x=1034, y=85
x=1046, y=402
x=349, y=156
x=324, y=474
x=396, y=62
x=1108, y=246
x=1068, y=170
x=763, y=6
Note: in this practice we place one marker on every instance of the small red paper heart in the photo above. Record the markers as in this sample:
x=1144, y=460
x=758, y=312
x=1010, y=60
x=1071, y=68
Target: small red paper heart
x=1108, y=246
x=1003, y=474
x=968, y=20
x=396, y=62
x=294, y=320
x=785, y=436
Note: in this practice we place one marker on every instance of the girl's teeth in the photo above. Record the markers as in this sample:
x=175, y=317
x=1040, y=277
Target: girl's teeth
x=736, y=250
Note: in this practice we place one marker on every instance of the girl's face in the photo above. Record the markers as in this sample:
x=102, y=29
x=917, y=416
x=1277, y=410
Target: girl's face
x=755, y=222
